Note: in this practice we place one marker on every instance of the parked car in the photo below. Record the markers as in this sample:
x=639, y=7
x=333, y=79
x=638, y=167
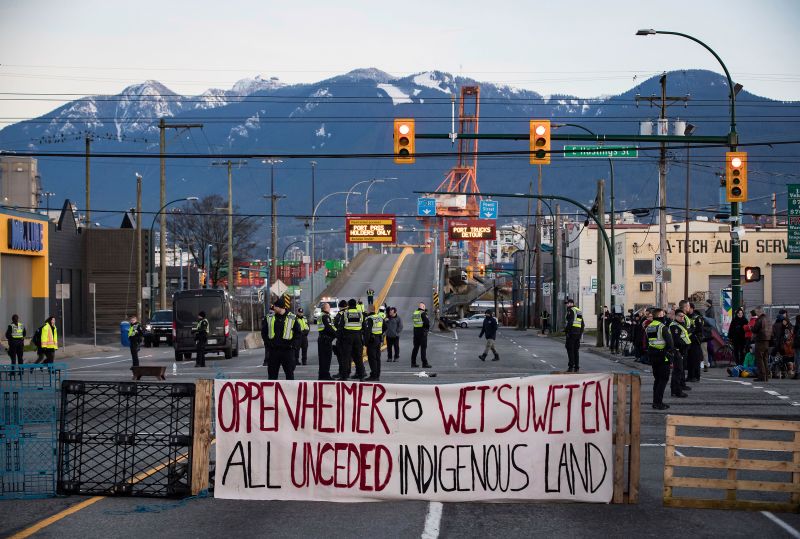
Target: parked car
x=474, y=321
x=158, y=329
x=333, y=302
x=223, y=336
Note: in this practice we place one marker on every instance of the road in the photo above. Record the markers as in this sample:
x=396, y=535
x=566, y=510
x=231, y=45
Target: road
x=455, y=359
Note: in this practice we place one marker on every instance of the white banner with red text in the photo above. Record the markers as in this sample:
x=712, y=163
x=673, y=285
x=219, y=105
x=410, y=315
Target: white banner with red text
x=532, y=438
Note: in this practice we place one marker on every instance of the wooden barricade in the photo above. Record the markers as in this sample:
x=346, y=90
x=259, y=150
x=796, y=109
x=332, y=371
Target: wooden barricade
x=732, y=486
x=201, y=435
x=627, y=438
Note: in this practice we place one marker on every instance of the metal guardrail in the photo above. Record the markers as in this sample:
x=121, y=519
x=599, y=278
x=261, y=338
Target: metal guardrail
x=29, y=400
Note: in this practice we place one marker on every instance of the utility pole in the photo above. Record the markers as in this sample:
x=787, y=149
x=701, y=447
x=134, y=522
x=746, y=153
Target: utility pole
x=138, y=245
x=231, y=273
x=556, y=269
x=88, y=141
x=663, y=129
x=273, y=270
x=538, y=247
x=313, y=236
x=162, y=240
x=600, y=296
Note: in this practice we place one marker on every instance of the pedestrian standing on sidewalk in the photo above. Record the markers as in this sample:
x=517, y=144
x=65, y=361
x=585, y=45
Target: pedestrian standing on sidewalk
x=762, y=334
x=135, y=334
x=49, y=339
x=15, y=335
x=574, y=330
x=545, y=322
x=394, y=326
x=489, y=329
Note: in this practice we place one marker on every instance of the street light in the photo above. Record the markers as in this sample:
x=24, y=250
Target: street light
x=383, y=208
x=150, y=245
x=736, y=269
x=314, y=238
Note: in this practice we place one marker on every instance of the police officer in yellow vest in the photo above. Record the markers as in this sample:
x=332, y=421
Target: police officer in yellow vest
x=15, y=335
x=422, y=325
x=49, y=339
x=681, y=339
x=303, y=341
x=370, y=296
x=374, y=330
x=283, y=336
x=352, y=344
x=659, y=348
x=360, y=306
x=573, y=329
x=134, y=340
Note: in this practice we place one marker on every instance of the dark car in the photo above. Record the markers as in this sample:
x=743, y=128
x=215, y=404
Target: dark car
x=158, y=329
x=222, y=334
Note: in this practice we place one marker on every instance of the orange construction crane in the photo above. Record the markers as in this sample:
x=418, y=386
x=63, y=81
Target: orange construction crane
x=462, y=178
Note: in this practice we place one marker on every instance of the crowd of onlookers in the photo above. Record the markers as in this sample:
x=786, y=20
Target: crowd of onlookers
x=762, y=348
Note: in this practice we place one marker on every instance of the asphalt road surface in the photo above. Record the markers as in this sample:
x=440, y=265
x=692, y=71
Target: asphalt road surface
x=454, y=359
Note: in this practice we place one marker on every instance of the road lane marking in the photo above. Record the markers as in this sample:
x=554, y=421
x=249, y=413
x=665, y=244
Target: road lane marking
x=433, y=521
x=787, y=528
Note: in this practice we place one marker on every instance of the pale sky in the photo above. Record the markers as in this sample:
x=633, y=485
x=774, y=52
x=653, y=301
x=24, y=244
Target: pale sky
x=585, y=48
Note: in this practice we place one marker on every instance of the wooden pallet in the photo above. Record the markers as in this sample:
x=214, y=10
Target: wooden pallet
x=626, y=438
x=732, y=486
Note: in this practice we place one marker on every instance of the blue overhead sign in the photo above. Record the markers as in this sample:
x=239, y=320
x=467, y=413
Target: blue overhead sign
x=489, y=209
x=426, y=207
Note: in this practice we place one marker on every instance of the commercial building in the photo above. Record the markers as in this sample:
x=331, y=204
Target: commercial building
x=24, y=266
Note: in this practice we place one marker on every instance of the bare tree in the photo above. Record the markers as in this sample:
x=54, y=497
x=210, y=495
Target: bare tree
x=200, y=223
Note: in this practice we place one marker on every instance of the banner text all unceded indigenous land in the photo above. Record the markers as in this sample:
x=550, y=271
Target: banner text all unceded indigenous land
x=533, y=438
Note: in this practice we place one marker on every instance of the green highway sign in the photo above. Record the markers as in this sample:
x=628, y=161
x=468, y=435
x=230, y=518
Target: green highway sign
x=793, y=243
x=605, y=152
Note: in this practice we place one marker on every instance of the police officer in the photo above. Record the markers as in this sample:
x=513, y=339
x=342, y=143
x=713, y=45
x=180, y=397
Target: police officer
x=545, y=322
x=695, y=326
x=360, y=306
x=201, y=338
x=327, y=333
x=659, y=347
x=352, y=345
x=574, y=329
x=370, y=296
x=135, y=340
x=264, y=336
x=15, y=335
x=283, y=336
x=374, y=330
x=49, y=339
x=422, y=325
x=338, y=349
x=303, y=342
x=681, y=339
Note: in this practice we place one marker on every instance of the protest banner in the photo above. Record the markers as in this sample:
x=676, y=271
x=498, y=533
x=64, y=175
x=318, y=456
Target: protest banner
x=531, y=438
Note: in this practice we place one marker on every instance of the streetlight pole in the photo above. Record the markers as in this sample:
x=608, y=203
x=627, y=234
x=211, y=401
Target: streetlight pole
x=274, y=231
x=314, y=236
x=733, y=140
x=383, y=208
x=162, y=258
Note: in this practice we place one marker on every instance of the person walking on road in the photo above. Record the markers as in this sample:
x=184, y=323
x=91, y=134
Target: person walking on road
x=327, y=333
x=135, y=334
x=394, y=326
x=659, y=349
x=15, y=335
x=353, y=346
x=283, y=336
x=489, y=329
x=201, y=338
x=762, y=335
x=374, y=330
x=545, y=322
x=49, y=339
x=370, y=296
x=301, y=352
x=574, y=330
x=422, y=325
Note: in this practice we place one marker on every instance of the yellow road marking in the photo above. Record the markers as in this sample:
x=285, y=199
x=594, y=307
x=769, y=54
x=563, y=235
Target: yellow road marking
x=42, y=524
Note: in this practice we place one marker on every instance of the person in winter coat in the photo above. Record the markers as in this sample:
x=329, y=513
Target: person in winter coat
x=762, y=335
x=394, y=326
x=489, y=329
x=737, y=335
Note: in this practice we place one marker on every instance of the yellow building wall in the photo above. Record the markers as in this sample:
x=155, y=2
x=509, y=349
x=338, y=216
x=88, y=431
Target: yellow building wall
x=40, y=266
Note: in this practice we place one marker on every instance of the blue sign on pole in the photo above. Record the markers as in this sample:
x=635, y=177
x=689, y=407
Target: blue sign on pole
x=426, y=207
x=488, y=209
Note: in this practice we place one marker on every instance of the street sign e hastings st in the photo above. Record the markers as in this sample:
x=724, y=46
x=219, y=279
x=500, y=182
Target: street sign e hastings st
x=604, y=152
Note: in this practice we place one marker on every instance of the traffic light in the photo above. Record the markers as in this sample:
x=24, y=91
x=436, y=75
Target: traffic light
x=540, y=142
x=404, y=141
x=482, y=270
x=736, y=176
x=752, y=274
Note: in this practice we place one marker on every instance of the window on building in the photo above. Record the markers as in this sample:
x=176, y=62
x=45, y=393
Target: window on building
x=643, y=267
